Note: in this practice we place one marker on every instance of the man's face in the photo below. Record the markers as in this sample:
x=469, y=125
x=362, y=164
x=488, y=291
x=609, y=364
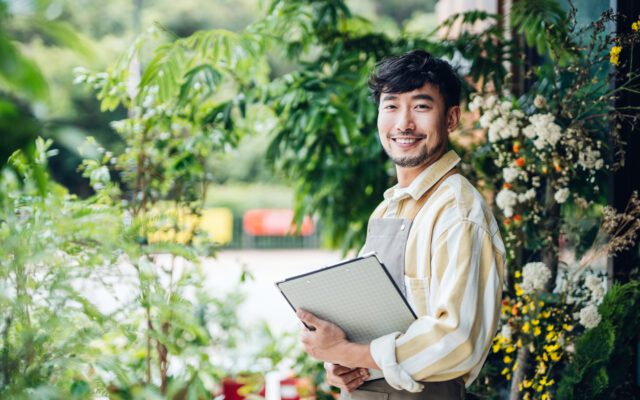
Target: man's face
x=414, y=126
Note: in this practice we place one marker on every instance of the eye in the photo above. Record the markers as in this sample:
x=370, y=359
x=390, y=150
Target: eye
x=389, y=107
x=423, y=107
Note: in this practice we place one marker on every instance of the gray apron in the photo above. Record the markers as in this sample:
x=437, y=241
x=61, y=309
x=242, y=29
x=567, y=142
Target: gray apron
x=388, y=238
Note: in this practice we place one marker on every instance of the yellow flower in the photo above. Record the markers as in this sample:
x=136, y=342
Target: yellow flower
x=525, y=309
x=636, y=25
x=519, y=291
x=550, y=327
x=541, y=303
x=496, y=347
x=537, y=331
x=507, y=359
x=535, y=322
x=545, y=357
x=554, y=356
x=545, y=396
x=546, y=314
x=550, y=382
x=527, y=384
x=518, y=274
x=515, y=365
x=505, y=371
x=510, y=349
x=526, y=327
x=532, y=305
x=541, y=368
x=567, y=327
x=614, y=56
x=519, y=343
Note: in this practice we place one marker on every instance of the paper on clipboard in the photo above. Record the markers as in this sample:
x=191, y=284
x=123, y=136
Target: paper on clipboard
x=358, y=295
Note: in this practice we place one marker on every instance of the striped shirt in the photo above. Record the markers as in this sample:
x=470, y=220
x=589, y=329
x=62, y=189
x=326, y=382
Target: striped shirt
x=454, y=270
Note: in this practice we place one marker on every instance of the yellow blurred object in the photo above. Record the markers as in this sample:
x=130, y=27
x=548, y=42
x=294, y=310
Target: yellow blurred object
x=178, y=225
x=218, y=223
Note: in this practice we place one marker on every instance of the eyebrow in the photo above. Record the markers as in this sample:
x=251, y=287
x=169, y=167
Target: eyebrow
x=420, y=96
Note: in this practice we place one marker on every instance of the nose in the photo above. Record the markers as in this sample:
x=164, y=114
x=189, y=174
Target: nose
x=405, y=122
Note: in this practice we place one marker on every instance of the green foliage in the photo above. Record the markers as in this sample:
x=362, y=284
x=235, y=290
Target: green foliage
x=50, y=241
x=601, y=367
x=326, y=142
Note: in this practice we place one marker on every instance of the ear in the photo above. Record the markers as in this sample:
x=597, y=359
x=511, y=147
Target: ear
x=453, y=118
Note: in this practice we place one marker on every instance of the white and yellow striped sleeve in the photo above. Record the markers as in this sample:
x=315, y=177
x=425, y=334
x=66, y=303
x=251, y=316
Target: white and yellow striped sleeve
x=462, y=308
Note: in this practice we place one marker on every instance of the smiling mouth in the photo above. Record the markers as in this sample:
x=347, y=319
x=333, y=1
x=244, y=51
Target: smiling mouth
x=407, y=140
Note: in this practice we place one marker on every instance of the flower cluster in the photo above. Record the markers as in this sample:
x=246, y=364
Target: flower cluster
x=545, y=324
x=539, y=158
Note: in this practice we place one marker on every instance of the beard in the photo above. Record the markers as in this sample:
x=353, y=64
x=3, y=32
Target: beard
x=409, y=162
x=413, y=161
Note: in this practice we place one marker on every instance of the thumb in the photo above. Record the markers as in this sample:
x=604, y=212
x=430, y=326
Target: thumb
x=308, y=318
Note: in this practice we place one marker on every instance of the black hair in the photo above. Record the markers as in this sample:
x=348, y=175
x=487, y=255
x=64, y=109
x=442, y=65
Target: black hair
x=411, y=71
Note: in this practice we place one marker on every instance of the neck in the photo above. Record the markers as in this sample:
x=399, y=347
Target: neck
x=406, y=175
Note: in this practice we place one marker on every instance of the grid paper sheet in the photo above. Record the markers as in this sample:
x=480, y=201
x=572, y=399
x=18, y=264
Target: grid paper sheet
x=358, y=296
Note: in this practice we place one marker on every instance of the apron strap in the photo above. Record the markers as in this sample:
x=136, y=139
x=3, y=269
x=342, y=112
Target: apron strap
x=411, y=213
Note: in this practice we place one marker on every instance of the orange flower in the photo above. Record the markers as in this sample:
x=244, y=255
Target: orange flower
x=507, y=221
x=517, y=218
x=545, y=169
x=514, y=310
x=557, y=167
x=507, y=185
x=516, y=147
x=520, y=162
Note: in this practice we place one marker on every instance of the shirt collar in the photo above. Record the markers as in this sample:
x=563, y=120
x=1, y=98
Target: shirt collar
x=427, y=178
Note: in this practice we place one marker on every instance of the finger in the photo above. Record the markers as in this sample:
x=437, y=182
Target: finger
x=338, y=369
x=308, y=318
x=353, y=385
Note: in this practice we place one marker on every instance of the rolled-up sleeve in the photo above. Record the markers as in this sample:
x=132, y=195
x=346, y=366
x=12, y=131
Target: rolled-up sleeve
x=462, y=296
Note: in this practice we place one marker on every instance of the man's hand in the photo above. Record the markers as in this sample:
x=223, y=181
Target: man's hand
x=323, y=340
x=348, y=379
x=327, y=342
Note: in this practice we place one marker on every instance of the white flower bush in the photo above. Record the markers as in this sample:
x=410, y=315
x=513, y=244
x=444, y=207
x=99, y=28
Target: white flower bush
x=589, y=316
x=535, y=276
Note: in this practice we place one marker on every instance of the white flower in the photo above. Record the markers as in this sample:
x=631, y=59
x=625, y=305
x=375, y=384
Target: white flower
x=544, y=129
x=526, y=196
x=510, y=174
x=561, y=195
x=539, y=102
x=510, y=131
x=496, y=127
x=535, y=276
x=490, y=101
x=590, y=158
x=506, y=106
x=597, y=294
x=589, y=316
x=529, y=131
x=485, y=119
x=476, y=103
x=506, y=332
x=506, y=200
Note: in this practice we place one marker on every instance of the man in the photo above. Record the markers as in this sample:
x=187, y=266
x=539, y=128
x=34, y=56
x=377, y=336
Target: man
x=435, y=229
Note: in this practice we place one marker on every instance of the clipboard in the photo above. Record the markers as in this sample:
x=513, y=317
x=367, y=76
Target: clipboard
x=358, y=295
